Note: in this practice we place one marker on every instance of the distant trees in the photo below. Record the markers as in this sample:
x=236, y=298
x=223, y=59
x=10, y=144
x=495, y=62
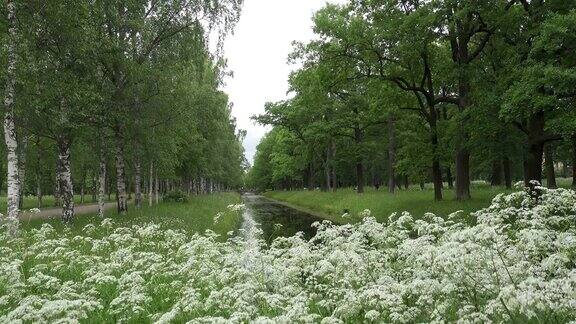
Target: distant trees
x=481, y=88
x=107, y=90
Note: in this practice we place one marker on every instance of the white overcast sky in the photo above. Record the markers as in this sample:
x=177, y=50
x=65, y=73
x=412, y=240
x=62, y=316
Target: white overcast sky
x=257, y=54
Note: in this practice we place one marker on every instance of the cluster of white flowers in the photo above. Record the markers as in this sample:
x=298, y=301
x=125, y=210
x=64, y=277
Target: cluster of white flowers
x=516, y=264
x=236, y=207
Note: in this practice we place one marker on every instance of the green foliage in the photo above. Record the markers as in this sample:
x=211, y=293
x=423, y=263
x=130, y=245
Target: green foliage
x=175, y=196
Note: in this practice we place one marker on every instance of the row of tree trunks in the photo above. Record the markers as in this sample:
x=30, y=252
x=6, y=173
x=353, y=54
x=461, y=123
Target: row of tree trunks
x=501, y=167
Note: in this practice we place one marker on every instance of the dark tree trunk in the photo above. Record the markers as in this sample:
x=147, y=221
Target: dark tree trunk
x=391, y=153
x=507, y=173
x=462, y=174
x=534, y=158
x=534, y=163
x=328, y=184
x=360, y=177
x=449, y=178
x=496, y=177
x=406, y=182
x=550, y=174
x=437, y=179
x=333, y=168
x=436, y=168
x=359, y=165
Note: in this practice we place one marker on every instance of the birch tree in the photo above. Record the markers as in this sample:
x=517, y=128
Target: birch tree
x=13, y=182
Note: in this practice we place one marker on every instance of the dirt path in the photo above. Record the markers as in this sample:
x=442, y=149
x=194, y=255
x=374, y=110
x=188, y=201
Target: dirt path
x=48, y=213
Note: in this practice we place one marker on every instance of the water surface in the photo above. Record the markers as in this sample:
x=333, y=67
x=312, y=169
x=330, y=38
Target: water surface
x=276, y=219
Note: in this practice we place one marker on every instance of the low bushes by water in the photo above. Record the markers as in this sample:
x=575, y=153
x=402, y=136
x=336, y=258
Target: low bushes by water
x=516, y=264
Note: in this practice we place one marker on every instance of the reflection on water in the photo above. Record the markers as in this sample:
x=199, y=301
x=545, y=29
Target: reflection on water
x=275, y=219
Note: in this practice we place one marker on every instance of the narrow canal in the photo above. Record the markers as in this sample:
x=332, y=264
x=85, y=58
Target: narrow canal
x=275, y=219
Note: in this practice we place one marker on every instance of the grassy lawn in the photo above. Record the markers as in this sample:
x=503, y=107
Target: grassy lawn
x=47, y=201
x=196, y=215
x=382, y=204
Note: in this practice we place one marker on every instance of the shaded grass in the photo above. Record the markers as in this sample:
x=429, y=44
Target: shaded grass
x=195, y=216
x=382, y=204
x=47, y=201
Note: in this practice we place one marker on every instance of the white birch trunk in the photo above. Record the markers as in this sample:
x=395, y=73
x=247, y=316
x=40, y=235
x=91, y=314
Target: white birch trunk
x=13, y=183
x=57, y=202
x=156, y=190
x=22, y=169
x=65, y=179
x=138, y=182
x=39, y=189
x=121, y=174
x=101, y=183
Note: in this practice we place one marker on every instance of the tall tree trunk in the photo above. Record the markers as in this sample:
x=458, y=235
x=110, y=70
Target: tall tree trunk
x=449, y=178
x=94, y=187
x=359, y=164
x=156, y=190
x=138, y=183
x=13, y=183
x=507, y=172
x=22, y=169
x=534, y=159
x=57, y=200
x=65, y=178
x=328, y=184
x=436, y=168
x=101, y=182
x=333, y=168
x=122, y=198
x=39, y=186
x=391, y=153
x=82, y=185
x=534, y=164
x=437, y=179
x=550, y=174
x=496, y=176
x=462, y=174
x=151, y=184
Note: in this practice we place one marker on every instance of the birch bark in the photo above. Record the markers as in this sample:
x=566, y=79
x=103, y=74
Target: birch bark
x=13, y=183
x=138, y=182
x=65, y=178
x=101, y=183
x=120, y=173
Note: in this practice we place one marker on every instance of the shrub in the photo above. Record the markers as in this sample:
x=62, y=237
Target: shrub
x=175, y=196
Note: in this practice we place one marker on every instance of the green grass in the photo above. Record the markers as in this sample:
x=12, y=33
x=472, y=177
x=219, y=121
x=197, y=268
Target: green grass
x=382, y=204
x=196, y=215
x=47, y=201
